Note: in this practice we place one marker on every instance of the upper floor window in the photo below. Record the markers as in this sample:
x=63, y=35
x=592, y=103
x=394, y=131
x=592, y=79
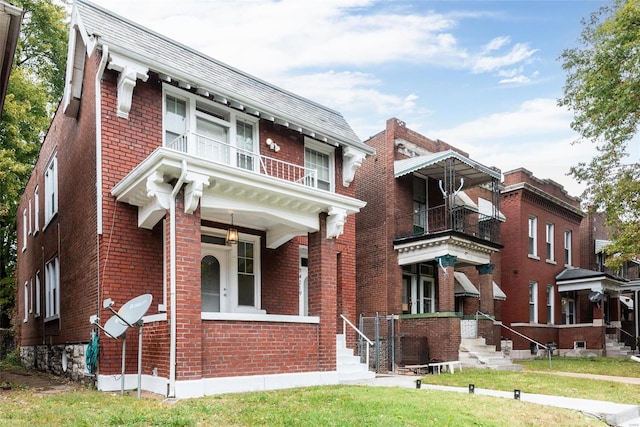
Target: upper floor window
x=52, y=291
x=36, y=213
x=567, y=247
x=419, y=204
x=51, y=189
x=533, y=302
x=195, y=125
x=550, y=242
x=24, y=230
x=30, y=217
x=533, y=239
x=320, y=157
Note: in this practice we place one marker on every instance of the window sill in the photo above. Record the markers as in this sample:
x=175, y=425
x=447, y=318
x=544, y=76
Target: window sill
x=536, y=257
x=255, y=317
x=54, y=317
x=550, y=261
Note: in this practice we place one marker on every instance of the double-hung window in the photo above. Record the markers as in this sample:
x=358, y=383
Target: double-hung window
x=51, y=189
x=52, y=291
x=37, y=297
x=550, y=242
x=533, y=239
x=26, y=302
x=567, y=247
x=206, y=129
x=24, y=230
x=550, y=305
x=320, y=157
x=36, y=213
x=533, y=302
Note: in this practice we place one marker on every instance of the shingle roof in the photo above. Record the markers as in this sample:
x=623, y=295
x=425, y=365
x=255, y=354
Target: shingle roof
x=182, y=63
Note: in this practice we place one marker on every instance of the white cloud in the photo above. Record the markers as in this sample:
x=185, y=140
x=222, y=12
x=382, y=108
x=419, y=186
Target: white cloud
x=496, y=44
x=519, y=53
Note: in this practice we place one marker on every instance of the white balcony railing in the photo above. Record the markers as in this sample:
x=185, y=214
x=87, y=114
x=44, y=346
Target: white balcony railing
x=221, y=152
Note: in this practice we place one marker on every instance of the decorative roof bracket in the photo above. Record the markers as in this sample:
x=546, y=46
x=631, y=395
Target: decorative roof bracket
x=129, y=71
x=351, y=160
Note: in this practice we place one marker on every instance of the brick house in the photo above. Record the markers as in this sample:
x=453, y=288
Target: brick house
x=227, y=199
x=428, y=249
x=553, y=297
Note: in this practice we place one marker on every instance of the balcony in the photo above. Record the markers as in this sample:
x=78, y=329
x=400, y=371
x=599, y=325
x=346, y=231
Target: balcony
x=439, y=220
x=216, y=151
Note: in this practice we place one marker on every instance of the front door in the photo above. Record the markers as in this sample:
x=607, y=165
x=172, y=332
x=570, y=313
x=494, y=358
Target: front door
x=214, y=277
x=304, y=282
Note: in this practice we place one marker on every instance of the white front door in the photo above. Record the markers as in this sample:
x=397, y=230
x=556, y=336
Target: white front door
x=304, y=282
x=214, y=270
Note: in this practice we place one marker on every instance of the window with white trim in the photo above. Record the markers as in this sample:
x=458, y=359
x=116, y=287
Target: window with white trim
x=419, y=289
x=533, y=302
x=30, y=217
x=52, y=289
x=26, y=302
x=320, y=157
x=24, y=230
x=30, y=296
x=36, y=213
x=533, y=239
x=550, y=242
x=51, y=189
x=550, y=305
x=567, y=247
x=206, y=129
x=37, y=297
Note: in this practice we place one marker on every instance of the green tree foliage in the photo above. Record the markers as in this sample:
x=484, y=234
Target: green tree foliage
x=603, y=91
x=35, y=88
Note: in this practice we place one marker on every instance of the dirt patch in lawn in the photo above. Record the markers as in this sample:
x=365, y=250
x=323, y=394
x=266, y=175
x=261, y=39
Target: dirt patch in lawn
x=37, y=382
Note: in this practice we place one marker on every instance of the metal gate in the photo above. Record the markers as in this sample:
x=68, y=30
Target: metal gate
x=381, y=329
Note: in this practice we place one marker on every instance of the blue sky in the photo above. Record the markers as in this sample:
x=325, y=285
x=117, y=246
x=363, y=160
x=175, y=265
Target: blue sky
x=483, y=76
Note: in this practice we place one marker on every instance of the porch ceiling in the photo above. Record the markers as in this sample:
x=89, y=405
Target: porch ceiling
x=433, y=166
x=282, y=209
x=468, y=252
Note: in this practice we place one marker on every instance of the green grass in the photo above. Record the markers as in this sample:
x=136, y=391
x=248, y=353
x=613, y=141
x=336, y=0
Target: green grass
x=540, y=382
x=313, y=406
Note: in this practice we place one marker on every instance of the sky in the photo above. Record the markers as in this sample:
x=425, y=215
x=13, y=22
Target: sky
x=483, y=76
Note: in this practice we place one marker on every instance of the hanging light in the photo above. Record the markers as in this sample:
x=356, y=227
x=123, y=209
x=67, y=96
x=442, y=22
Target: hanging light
x=232, y=234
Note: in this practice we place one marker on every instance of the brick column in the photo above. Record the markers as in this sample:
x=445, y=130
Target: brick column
x=188, y=293
x=323, y=293
x=446, y=281
x=486, y=287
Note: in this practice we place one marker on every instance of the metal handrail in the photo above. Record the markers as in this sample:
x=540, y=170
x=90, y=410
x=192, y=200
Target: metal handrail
x=622, y=330
x=517, y=333
x=346, y=322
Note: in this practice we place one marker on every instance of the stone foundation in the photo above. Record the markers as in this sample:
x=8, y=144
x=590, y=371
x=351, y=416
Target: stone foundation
x=67, y=361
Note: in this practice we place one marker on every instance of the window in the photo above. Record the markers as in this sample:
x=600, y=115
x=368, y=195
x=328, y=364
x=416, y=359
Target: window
x=230, y=274
x=550, y=245
x=533, y=302
x=24, y=230
x=36, y=214
x=26, y=302
x=419, y=291
x=52, y=292
x=550, y=305
x=567, y=247
x=30, y=217
x=533, y=241
x=51, y=189
x=195, y=125
x=320, y=158
x=419, y=204
x=37, y=314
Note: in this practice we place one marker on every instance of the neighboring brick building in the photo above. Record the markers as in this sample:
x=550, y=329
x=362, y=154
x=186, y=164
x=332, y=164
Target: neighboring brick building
x=230, y=201
x=552, y=298
x=428, y=243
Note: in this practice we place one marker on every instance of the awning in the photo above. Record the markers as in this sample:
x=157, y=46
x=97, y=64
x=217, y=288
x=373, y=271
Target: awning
x=461, y=199
x=497, y=293
x=600, y=244
x=432, y=165
x=485, y=207
x=626, y=301
x=463, y=286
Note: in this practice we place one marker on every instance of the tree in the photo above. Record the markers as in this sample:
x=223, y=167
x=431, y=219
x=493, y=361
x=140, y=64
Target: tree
x=603, y=91
x=35, y=87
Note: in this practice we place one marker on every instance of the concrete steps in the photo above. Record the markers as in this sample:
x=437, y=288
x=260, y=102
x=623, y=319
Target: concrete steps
x=613, y=348
x=475, y=353
x=348, y=365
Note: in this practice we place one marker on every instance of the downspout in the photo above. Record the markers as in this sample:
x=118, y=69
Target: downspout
x=172, y=292
x=98, y=95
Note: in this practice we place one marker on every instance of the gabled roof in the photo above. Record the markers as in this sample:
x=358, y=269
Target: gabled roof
x=432, y=165
x=194, y=69
x=10, y=21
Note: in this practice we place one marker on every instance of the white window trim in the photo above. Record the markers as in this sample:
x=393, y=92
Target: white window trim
x=30, y=217
x=52, y=281
x=534, y=295
x=551, y=305
x=36, y=214
x=192, y=114
x=229, y=305
x=24, y=230
x=328, y=150
x=568, y=248
x=51, y=207
x=532, y=225
x=550, y=241
x=26, y=302
x=37, y=297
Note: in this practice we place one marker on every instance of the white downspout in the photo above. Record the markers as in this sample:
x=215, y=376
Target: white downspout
x=172, y=292
x=98, y=95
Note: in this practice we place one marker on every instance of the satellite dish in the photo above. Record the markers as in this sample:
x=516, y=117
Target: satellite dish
x=133, y=310
x=595, y=296
x=115, y=327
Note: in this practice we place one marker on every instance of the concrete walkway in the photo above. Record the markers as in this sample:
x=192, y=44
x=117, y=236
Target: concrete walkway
x=614, y=414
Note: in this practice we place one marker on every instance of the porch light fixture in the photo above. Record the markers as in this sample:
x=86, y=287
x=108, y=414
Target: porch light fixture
x=232, y=234
x=272, y=145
